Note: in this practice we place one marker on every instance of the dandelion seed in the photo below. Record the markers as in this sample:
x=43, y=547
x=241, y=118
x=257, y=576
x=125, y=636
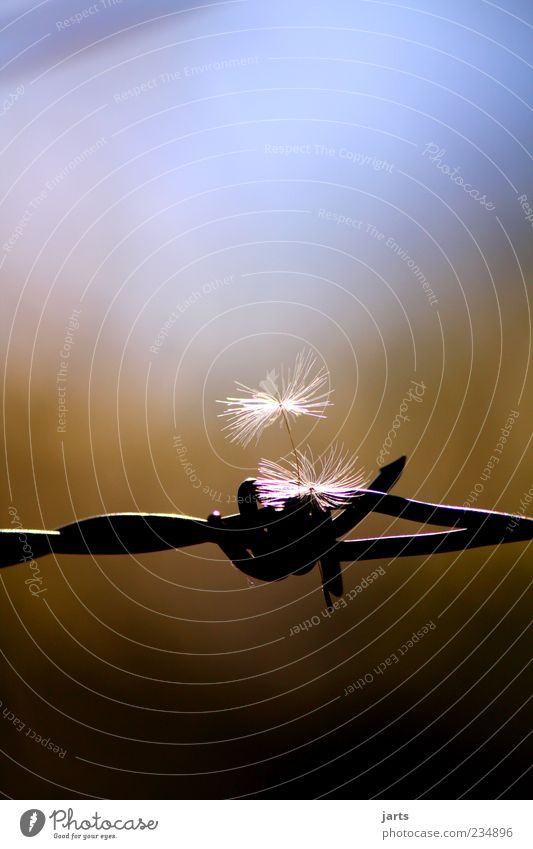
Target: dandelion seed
x=301, y=392
x=331, y=482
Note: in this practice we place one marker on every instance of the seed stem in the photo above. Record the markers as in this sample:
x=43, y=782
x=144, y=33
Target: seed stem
x=294, y=451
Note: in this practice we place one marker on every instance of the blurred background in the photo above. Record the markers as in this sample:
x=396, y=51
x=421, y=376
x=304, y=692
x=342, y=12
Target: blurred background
x=191, y=194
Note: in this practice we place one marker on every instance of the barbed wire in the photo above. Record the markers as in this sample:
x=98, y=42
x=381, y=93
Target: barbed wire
x=270, y=544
